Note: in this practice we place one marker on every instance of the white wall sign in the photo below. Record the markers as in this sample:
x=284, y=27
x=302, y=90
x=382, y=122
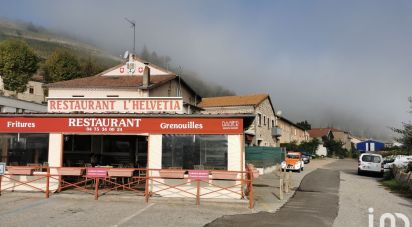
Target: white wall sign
x=115, y=105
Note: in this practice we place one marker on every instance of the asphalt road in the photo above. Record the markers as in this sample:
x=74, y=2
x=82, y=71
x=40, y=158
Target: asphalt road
x=359, y=193
x=332, y=196
x=315, y=203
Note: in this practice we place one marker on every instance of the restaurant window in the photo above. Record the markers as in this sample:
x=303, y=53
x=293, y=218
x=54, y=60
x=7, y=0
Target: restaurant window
x=76, y=149
x=194, y=151
x=21, y=149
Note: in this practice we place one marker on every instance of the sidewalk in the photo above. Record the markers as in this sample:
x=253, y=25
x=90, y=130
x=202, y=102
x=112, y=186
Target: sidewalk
x=266, y=187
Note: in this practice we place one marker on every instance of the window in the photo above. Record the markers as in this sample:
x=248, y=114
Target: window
x=186, y=151
x=371, y=158
x=77, y=96
x=268, y=123
x=264, y=119
x=24, y=148
x=260, y=119
x=112, y=96
x=273, y=123
x=31, y=90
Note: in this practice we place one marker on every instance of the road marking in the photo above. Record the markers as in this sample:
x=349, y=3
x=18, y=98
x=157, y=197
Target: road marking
x=126, y=219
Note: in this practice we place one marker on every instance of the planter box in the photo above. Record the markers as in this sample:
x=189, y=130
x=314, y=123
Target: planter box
x=224, y=175
x=21, y=170
x=171, y=173
x=70, y=171
x=120, y=172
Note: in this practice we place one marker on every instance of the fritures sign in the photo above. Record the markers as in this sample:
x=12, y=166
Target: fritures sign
x=121, y=125
x=115, y=105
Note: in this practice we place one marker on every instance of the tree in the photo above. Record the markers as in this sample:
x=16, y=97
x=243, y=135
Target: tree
x=309, y=146
x=18, y=62
x=89, y=67
x=61, y=65
x=304, y=124
x=405, y=133
x=292, y=146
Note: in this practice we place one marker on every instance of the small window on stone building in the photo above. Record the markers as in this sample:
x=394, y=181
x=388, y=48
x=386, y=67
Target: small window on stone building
x=273, y=123
x=264, y=119
x=31, y=90
x=260, y=119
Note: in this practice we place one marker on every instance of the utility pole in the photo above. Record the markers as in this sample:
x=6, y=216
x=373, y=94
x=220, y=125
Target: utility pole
x=133, y=24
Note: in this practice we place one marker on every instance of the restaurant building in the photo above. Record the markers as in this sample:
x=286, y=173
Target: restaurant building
x=134, y=115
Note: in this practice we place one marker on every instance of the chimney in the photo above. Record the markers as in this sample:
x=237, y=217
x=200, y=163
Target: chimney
x=146, y=76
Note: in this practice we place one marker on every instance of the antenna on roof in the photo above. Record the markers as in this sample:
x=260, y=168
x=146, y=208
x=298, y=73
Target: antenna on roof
x=133, y=24
x=179, y=73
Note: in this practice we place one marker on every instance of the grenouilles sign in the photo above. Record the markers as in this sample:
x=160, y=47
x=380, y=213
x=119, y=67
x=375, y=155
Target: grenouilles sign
x=121, y=125
x=115, y=105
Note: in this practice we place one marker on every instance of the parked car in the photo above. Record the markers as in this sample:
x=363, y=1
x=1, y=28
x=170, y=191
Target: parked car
x=400, y=161
x=372, y=163
x=305, y=158
x=293, y=161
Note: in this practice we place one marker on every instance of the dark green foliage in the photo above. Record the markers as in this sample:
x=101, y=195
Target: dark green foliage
x=304, y=124
x=305, y=146
x=62, y=65
x=292, y=146
x=335, y=148
x=405, y=133
x=18, y=62
x=309, y=146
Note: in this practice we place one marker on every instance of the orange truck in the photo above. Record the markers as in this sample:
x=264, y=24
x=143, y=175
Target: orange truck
x=293, y=161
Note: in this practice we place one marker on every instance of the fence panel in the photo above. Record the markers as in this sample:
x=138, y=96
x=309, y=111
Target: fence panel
x=262, y=157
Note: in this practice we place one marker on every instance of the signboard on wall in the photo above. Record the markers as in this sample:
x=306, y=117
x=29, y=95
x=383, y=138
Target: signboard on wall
x=102, y=125
x=96, y=172
x=199, y=174
x=115, y=105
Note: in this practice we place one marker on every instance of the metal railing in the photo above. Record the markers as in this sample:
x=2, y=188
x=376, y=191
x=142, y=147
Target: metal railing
x=141, y=181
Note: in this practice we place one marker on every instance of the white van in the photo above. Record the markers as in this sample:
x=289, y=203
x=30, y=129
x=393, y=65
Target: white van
x=372, y=163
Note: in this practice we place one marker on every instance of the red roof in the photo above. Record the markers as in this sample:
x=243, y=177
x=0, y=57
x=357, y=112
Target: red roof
x=111, y=81
x=319, y=132
x=247, y=100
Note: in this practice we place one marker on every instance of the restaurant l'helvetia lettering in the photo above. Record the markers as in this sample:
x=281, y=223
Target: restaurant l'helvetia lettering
x=135, y=105
x=125, y=125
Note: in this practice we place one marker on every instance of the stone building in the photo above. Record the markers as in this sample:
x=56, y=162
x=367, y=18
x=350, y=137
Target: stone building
x=263, y=131
x=33, y=93
x=333, y=133
x=291, y=132
x=120, y=82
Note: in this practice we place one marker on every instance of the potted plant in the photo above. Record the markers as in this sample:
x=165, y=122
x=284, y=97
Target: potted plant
x=70, y=171
x=121, y=172
x=224, y=175
x=172, y=173
x=21, y=170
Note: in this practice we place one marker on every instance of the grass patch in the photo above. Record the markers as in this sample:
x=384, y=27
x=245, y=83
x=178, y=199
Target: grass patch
x=397, y=187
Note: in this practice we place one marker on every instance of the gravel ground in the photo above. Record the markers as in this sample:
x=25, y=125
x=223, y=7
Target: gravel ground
x=359, y=193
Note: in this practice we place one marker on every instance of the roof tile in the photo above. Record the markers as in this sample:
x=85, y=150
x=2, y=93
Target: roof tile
x=249, y=100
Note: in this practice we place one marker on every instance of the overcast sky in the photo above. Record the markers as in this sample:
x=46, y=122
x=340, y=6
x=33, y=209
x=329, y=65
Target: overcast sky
x=342, y=63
